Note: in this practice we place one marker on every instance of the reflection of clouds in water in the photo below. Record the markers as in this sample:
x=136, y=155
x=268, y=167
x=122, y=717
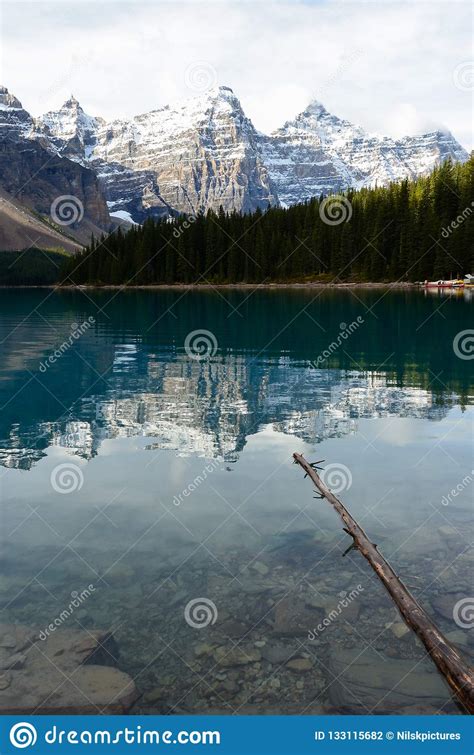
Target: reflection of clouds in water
x=210, y=410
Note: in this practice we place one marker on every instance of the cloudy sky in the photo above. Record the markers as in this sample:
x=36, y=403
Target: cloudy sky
x=393, y=67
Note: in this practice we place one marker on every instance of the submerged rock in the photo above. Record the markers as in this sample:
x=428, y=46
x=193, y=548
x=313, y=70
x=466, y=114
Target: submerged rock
x=277, y=653
x=399, y=629
x=300, y=665
x=291, y=618
x=368, y=681
x=236, y=656
x=57, y=676
x=260, y=567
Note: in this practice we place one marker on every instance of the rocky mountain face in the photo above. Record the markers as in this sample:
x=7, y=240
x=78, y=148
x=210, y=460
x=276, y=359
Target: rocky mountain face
x=34, y=174
x=318, y=153
x=193, y=156
x=199, y=154
x=204, y=152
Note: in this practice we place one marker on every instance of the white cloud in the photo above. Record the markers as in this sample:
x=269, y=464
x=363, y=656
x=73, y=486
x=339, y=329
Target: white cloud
x=388, y=66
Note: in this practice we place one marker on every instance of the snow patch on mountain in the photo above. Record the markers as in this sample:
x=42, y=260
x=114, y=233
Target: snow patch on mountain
x=204, y=152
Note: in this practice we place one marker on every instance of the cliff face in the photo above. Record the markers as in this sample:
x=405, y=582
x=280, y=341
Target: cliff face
x=204, y=153
x=320, y=153
x=198, y=154
x=33, y=173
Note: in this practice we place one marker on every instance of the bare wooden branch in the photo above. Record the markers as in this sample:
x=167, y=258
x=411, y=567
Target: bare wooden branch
x=458, y=674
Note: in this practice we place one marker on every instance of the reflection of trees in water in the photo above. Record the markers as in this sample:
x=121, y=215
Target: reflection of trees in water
x=130, y=375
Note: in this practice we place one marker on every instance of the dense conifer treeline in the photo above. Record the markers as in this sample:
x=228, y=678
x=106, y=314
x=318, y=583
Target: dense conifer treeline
x=411, y=230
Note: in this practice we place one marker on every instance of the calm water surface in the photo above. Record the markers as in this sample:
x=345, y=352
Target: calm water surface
x=160, y=478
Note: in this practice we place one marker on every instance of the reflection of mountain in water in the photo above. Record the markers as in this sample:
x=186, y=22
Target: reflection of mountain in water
x=210, y=407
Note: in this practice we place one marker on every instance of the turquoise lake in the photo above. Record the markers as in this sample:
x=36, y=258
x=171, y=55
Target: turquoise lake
x=146, y=449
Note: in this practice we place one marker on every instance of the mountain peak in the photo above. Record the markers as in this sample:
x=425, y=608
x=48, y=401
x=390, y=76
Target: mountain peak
x=315, y=107
x=220, y=92
x=9, y=101
x=72, y=104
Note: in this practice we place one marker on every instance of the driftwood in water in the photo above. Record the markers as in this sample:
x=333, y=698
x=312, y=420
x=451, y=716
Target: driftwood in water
x=451, y=665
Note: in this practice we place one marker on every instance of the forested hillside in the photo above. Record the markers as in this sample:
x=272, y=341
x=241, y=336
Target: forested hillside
x=406, y=231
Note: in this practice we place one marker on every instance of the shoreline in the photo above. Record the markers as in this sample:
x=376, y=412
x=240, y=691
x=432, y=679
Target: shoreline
x=229, y=286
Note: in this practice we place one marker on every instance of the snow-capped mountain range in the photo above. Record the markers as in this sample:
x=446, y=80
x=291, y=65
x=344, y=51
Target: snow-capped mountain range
x=205, y=152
